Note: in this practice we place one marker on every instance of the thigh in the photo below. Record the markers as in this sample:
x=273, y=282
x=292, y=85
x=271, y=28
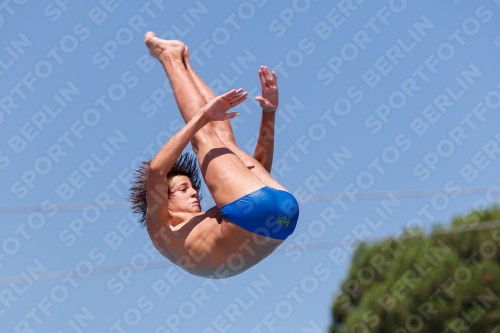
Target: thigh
x=225, y=174
x=255, y=167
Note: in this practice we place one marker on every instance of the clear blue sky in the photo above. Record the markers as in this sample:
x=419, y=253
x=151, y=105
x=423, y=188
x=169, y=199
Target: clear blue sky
x=376, y=97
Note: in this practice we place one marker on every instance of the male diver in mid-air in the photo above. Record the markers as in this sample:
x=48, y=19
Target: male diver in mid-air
x=253, y=215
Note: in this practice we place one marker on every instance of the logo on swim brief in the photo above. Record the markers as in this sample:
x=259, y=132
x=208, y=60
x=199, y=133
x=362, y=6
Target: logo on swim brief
x=283, y=220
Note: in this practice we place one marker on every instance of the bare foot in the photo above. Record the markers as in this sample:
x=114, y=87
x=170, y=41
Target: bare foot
x=161, y=48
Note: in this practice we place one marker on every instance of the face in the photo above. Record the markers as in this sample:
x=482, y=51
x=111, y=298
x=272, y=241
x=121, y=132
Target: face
x=184, y=197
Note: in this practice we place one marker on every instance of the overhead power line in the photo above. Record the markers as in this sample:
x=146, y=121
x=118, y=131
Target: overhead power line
x=110, y=269
x=327, y=197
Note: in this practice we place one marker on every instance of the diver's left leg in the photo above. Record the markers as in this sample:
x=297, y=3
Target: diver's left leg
x=225, y=131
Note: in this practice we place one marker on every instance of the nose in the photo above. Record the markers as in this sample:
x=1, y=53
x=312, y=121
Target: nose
x=193, y=193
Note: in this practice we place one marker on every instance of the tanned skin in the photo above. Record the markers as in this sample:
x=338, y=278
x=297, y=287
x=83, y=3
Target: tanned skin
x=204, y=243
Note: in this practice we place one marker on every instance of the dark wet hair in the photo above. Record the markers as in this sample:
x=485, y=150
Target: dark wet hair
x=186, y=165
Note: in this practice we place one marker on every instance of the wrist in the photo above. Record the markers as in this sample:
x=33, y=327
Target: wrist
x=203, y=118
x=269, y=110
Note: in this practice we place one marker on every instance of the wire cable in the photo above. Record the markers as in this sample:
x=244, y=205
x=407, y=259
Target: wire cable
x=54, y=275
x=327, y=197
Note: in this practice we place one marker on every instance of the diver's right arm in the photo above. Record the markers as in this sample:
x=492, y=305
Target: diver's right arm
x=157, y=193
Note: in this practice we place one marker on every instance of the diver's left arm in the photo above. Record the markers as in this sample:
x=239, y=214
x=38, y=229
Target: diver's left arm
x=264, y=150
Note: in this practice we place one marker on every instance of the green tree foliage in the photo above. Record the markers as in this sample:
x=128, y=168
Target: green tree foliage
x=445, y=282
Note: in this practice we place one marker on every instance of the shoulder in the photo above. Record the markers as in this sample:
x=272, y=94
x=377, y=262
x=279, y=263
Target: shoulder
x=164, y=239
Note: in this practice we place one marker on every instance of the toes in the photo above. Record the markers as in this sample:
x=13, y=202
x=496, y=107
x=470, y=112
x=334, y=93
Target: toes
x=149, y=36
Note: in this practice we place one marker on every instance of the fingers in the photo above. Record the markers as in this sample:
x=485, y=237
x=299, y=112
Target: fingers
x=262, y=78
x=266, y=72
x=262, y=101
x=237, y=100
x=234, y=97
x=232, y=93
x=231, y=115
x=228, y=94
x=239, y=92
x=267, y=79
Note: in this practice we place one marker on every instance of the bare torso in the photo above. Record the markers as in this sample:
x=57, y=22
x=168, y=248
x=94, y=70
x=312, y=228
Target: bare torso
x=208, y=245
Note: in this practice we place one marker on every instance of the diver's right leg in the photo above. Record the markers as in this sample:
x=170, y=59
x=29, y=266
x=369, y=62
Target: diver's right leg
x=223, y=128
x=226, y=176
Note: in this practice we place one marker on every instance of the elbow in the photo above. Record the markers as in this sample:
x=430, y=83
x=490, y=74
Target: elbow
x=155, y=169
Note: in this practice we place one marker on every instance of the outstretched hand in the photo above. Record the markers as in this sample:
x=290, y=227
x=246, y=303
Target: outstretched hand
x=269, y=82
x=217, y=108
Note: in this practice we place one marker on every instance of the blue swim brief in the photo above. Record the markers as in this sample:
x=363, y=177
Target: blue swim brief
x=267, y=212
